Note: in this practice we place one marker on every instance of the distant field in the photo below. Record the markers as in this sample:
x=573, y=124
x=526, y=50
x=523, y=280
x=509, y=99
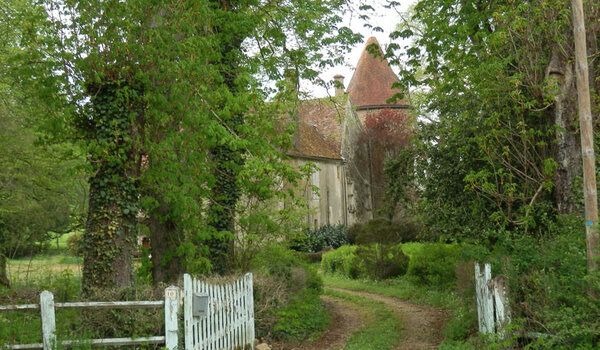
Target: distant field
x=25, y=270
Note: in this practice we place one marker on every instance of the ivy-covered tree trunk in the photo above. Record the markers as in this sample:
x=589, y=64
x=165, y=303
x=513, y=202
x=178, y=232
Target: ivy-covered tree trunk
x=226, y=194
x=110, y=238
x=165, y=238
x=228, y=161
x=567, y=146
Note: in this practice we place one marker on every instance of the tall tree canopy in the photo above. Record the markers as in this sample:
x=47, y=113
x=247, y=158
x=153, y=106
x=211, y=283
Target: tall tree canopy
x=503, y=147
x=169, y=102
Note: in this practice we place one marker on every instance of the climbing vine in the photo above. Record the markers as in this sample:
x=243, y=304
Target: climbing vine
x=108, y=131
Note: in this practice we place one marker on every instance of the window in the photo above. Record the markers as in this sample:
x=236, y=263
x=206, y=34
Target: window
x=315, y=182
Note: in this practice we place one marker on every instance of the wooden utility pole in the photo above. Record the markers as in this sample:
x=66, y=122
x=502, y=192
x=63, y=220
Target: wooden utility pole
x=587, y=136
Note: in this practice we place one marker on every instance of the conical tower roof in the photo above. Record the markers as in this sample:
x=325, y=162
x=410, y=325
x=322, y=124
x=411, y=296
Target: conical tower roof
x=371, y=84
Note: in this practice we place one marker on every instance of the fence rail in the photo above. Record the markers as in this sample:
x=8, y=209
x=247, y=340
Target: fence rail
x=228, y=322
x=47, y=308
x=217, y=317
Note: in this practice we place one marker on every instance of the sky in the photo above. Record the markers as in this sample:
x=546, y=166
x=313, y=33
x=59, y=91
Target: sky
x=387, y=19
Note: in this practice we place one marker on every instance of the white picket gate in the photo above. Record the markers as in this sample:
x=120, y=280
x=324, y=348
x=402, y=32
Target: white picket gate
x=229, y=319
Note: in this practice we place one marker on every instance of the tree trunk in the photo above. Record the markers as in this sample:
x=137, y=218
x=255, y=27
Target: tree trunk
x=110, y=237
x=226, y=194
x=3, y=276
x=164, y=241
x=108, y=243
x=567, y=147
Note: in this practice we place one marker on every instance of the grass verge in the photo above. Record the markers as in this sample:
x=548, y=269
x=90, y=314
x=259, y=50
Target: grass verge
x=382, y=330
x=463, y=318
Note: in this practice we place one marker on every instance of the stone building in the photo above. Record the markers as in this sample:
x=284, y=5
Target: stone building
x=328, y=135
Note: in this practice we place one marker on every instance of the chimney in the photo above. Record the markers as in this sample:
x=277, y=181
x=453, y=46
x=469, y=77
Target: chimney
x=339, y=85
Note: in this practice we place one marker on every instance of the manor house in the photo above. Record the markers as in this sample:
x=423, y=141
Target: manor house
x=327, y=135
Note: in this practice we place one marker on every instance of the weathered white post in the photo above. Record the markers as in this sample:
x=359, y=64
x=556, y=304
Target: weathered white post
x=171, y=317
x=188, y=296
x=485, y=299
x=48, y=320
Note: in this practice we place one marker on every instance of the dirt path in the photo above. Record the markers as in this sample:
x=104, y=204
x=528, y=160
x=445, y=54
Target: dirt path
x=422, y=326
x=344, y=322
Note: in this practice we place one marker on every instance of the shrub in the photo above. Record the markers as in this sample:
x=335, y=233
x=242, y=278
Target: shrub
x=342, y=261
x=321, y=238
x=286, y=292
x=550, y=290
x=383, y=260
x=435, y=264
x=352, y=232
x=75, y=244
x=378, y=230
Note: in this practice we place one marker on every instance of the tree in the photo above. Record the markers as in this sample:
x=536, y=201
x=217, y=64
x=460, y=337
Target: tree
x=500, y=77
x=386, y=133
x=172, y=114
x=42, y=192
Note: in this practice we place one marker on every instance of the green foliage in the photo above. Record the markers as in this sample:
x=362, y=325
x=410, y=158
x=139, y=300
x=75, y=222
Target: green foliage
x=435, y=264
x=550, y=290
x=318, y=239
x=146, y=86
x=499, y=146
x=379, y=230
x=382, y=261
x=304, y=316
x=352, y=232
x=376, y=261
x=287, y=304
x=342, y=261
x=74, y=244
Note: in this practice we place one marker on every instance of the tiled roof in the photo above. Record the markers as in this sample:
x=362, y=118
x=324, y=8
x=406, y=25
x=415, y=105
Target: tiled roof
x=310, y=143
x=326, y=115
x=371, y=84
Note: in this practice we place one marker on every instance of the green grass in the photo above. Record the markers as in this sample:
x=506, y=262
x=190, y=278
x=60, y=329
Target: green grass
x=463, y=318
x=25, y=271
x=383, y=329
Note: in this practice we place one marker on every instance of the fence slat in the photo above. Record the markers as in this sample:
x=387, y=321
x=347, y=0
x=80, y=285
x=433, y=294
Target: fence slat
x=229, y=321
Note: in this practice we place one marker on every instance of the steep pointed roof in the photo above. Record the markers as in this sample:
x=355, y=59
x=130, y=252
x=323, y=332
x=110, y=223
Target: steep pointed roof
x=371, y=84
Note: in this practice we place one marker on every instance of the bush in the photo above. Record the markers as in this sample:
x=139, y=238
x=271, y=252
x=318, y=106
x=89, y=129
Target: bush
x=551, y=291
x=352, y=232
x=75, y=244
x=378, y=230
x=435, y=264
x=383, y=260
x=343, y=261
x=319, y=239
x=286, y=295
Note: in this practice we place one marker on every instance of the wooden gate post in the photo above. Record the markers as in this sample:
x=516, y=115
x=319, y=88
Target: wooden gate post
x=485, y=298
x=48, y=320
x=188, y=291
x=171, y=317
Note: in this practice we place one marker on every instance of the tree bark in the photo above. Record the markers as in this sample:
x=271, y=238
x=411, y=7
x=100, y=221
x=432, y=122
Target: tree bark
x=567, y=147
x=587, y=136
x=110, y=236
x=164, y=241
x=3, y=275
